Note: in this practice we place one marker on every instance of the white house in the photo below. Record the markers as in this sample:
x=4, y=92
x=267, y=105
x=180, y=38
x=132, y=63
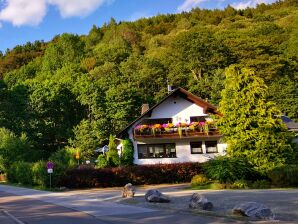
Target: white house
x=177, y=129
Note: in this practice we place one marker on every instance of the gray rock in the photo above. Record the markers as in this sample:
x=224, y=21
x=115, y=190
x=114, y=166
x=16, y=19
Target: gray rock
x=254, y=210
x=156, y=196
x=199, y=201
x=128, y=191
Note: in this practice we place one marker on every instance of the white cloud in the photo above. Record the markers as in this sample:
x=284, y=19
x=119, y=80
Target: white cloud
x=32, y=12
x=189, y=4
x=70, y=8
x=20, y=12
x=250, y=3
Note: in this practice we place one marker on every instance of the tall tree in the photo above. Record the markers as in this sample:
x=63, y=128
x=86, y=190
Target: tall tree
x=250, y=123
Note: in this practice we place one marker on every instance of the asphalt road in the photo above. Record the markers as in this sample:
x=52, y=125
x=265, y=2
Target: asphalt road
x=106, y=206
x=33, y=211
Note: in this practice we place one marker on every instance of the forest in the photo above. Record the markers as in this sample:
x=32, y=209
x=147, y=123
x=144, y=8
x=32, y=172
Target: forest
x=74, y=91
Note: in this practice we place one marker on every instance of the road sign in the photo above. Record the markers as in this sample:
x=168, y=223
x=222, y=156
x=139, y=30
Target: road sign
x=50, y=170
x=50, y=165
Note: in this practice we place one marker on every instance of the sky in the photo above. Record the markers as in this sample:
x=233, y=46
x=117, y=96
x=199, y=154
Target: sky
x=29, y=20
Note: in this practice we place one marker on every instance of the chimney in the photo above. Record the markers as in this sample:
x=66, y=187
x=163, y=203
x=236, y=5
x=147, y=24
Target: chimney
x=145, y=107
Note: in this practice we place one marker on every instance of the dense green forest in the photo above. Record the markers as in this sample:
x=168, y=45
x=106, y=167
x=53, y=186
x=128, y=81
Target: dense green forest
x=77, y=90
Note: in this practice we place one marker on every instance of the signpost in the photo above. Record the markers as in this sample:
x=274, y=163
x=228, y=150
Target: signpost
x=50, y=167
x=78, y=157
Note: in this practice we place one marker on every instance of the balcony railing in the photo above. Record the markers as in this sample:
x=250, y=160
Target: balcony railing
x=188, y=131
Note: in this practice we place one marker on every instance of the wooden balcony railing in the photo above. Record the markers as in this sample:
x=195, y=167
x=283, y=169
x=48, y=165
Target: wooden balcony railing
x=174, y=133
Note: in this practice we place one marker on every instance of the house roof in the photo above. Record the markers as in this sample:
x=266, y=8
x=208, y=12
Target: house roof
x=207, y=107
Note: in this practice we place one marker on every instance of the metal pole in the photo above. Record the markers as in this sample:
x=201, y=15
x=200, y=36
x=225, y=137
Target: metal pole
x=50, y=181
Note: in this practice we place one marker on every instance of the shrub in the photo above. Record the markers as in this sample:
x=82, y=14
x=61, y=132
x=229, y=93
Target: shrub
x=138, y=175
x=227, y=170
x=14, y=148
x=12, y=173
x=39, y=174
x=261, y=184
x=239, y=184
x=199, y=180
x=20, y=172
x=102, y=161
x=63, y=160
x=284, y=176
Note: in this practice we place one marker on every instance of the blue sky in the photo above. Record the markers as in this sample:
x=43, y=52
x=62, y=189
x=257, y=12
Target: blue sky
x=29, y=20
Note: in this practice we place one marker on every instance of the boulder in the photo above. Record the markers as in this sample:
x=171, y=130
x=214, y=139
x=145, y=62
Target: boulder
x=254, y=210
x=199, y=201
x=156, y=196
x=128, y=191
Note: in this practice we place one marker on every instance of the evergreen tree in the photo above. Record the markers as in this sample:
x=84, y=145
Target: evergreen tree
x=250, y=123
x=127, y=154
x=112, y=154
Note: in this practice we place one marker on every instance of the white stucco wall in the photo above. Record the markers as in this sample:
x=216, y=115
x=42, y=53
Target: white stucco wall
x=177, y=108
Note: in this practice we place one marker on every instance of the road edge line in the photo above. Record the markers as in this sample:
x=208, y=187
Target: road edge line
x=16, y=220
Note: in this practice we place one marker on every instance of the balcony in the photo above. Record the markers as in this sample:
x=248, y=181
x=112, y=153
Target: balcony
x=170, y=131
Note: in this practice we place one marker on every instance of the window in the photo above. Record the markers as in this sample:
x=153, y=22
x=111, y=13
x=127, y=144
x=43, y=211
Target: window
x=157, y=151
x=211, y=147
x=196, y=148
x=198, y=119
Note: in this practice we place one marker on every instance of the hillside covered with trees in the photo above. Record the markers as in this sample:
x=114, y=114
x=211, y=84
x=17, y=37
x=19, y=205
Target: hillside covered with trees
x=77, y=90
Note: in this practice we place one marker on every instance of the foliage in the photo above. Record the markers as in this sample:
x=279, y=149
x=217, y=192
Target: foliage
x=261, y=184
x=127, y=155
x=137, y=175
x=229, y=169
x=199, y=180
x=14, y=148
x=250, y=123
x=284, y=176
x=63, y=159
x=39, y=174
x=240, y=184
x=77, y=90
x=102, y=161
x=20, y=172
x=112, y=154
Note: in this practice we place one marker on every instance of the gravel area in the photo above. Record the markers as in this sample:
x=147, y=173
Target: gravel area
x=283, y=203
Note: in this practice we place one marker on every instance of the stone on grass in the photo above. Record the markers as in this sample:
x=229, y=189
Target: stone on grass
x=254, y=210
x=156, y=196
x=128, y=191
x=199, y=201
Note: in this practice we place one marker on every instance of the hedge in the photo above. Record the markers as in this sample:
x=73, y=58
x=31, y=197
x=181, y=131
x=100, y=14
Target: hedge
x=284, y=176
x=137, y=175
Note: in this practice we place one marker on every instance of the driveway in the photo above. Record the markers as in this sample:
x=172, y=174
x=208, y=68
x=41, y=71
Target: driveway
x=107, y=206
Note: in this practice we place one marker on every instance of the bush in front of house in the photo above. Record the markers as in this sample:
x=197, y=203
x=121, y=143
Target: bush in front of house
x=229, y=169
x=102, y=162
x=137, y=175
x=284, y=176
x=199, y=180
